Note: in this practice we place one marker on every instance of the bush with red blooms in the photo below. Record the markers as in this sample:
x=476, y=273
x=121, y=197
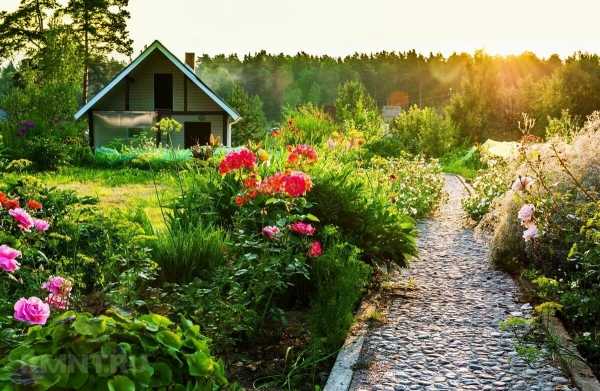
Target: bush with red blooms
x=236, y=160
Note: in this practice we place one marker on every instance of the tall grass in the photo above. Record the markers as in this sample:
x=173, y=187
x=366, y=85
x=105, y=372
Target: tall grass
x=184, y=254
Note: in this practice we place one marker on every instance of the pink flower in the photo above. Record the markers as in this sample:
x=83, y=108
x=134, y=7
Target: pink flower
x=32, y=311
x=526, y=213
x=522, y=183
x=270, y=231
x=41, y=225
x=8, y=259
x=22, y=217
x=315, y=249
x=297, y=184
x=58, y=285
x=302, y=228
x=531, y=232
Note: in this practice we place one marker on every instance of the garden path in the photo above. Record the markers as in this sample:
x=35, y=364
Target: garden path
x=444, y=335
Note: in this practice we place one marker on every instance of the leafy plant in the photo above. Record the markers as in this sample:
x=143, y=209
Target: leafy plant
x=115, y=352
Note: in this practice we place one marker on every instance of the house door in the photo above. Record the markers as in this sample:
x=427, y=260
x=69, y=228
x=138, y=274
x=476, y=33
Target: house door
x=163, y=91
x=196, y=133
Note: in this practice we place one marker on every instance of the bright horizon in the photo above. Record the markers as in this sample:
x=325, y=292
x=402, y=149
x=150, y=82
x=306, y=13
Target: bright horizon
x=340, y=28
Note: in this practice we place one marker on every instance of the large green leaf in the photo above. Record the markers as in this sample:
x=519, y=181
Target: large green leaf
x=121, y=383
x=200, y=364
x=169, y=339
x=154, y=322
x=163, y=375
x=90, y=326
x=140, y=369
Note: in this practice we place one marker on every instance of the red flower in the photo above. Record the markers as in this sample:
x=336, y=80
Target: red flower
x=297, y=184
x=240, y=200
x=251, y=182
x=33, y=204
x=302, y=151
x=236, y=160
x=315, y=249
x=8, y=203
x=302, y=228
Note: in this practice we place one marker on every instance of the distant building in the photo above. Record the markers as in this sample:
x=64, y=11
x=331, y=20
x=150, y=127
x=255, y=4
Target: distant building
x=156, y=85
x=390, y=112
x=3, y=115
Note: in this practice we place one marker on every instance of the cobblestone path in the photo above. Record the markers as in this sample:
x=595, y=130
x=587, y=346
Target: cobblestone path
x=444, y=335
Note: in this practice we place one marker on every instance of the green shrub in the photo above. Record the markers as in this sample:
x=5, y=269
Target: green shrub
x=338, y=280
x=356, y=109
x=365, y=218
x=418, y=131
x=308, y=124
x=79, y=351
x=465, y=162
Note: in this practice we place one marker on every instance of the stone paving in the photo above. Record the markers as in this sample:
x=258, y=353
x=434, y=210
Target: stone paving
x=444, y=335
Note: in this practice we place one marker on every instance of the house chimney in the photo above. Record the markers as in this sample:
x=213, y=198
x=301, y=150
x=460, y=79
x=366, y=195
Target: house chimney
x=190, y=60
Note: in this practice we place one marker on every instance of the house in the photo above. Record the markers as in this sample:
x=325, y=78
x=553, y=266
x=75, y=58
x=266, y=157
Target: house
x=156, y=85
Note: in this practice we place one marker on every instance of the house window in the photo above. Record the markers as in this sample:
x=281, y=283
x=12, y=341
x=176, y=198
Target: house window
x=163, y=91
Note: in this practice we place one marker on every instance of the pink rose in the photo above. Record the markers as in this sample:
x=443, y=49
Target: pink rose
x=315, y=249
x=58, y=285
x=270, y=231
x=8, y=259
x=522, y=183
x=41, y=225
x=531, y=232
x=32, y=311
x=22, y=217
x=526, y=213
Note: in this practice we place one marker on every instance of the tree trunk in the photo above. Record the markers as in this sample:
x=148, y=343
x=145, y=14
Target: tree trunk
x=86, y=55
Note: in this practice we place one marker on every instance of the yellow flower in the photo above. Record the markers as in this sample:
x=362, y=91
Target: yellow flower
x=263, y=155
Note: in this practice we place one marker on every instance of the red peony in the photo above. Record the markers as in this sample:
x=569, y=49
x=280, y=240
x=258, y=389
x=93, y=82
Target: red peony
x=297, y=184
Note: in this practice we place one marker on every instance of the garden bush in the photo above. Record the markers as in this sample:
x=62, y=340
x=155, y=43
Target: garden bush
x=490, y=185
x=338, y=282
x=548, y=225
x=417, y=131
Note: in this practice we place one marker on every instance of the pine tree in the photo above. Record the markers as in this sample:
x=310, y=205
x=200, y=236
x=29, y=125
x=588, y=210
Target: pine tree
x=101, y=28
x=25, y=28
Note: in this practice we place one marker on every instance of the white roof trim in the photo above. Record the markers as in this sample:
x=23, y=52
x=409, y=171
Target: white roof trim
x=180, y=65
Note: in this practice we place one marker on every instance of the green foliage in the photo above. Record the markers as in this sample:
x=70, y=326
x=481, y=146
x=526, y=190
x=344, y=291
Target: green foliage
x=115, y=352
x=343, y=199
x=418, y=131
x=356, y=109
x=253, y=125
x=143, y=158
x=465, y=162
x=308, y=124
x=36, y=130
x=564, y=127
x=338, y=278
x=487, y=187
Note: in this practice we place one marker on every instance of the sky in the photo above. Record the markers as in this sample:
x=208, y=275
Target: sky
x=341, y=27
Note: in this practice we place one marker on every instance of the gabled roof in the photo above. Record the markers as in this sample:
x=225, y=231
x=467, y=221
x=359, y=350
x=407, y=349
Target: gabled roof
x=187, y=71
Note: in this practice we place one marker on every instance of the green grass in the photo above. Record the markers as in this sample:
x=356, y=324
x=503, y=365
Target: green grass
x=126, y=188
x=463, y=161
